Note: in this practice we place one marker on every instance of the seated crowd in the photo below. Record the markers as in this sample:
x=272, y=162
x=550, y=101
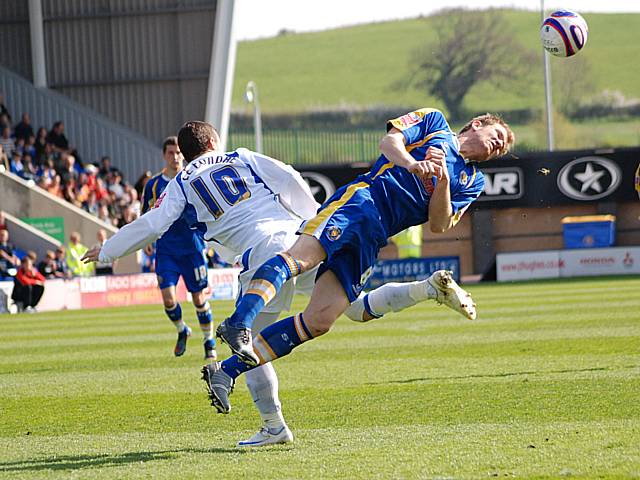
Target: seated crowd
x=47, y=158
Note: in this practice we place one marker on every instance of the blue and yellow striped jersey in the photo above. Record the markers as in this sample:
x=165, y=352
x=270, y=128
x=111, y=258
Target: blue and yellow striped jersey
x=181, y=238
x=400, y=196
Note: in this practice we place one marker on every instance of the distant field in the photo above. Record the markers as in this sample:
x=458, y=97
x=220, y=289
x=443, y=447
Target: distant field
x=357, y=66
x=544, y=385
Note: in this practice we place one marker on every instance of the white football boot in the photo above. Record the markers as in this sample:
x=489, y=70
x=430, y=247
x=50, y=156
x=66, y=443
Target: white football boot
x=449, y=293
x=266, y=436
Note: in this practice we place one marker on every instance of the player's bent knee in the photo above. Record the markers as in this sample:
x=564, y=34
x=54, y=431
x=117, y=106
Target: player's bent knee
x=319, y=322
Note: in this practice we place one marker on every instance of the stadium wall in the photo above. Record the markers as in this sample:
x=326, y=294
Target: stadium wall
x=24, y=199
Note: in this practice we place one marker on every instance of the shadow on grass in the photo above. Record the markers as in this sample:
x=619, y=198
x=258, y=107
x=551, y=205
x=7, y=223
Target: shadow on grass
x=77, y=462
x=501, y=375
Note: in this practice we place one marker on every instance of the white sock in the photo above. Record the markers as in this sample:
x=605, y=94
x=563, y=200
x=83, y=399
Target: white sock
x=390, y=297
x=180, y=325
x=263, y=386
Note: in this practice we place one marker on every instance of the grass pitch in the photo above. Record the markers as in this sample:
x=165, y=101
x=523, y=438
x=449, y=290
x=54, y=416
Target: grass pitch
x=546, y=384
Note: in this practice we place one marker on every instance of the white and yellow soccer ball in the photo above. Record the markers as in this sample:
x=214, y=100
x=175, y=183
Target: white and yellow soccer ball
x=564, y=33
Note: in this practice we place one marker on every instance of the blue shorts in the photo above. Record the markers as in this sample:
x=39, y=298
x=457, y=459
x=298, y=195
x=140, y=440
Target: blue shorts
x=192, y=267
x=349, y=228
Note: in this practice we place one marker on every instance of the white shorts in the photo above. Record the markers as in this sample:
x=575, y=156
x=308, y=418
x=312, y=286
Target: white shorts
x=253, y=258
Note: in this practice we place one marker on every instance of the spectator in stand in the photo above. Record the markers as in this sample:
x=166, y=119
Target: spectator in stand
x=61, y=261
x=4, y=160
x=69, y=193
x=7, y=142
x=28, y=286
x=67, y=169
x=3, y=109
x=30, y=148
x=8, y=260
x=17, y=167
x=4, y=121
x=115, y=187
x=75, y=251
x=141, y=182
x=134, y=201
x=23, y=130
x=29, y=171
x=104, y=215
x=49, y=267
x=55, y=187
x=58, y=139
x=101, y=267
x=128, y=215
x=106, y=168
x=41, y=146
x=47, y=170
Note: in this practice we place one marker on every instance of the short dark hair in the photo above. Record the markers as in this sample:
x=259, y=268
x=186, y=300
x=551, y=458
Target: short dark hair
x=172, y=140
x=193, y=138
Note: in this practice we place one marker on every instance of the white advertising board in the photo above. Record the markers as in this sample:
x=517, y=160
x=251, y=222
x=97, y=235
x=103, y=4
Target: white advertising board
x=527, y=265
x=600, y=261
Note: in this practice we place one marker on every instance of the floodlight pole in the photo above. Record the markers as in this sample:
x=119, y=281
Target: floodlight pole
x=221, y=69
x=36, y=31
x=251, y=96
x=547, y=89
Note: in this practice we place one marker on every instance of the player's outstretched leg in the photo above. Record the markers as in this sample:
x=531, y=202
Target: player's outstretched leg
x=449, y=293
x=395, y=297
x=184, y=332
x=235, y=331
x=262, y=383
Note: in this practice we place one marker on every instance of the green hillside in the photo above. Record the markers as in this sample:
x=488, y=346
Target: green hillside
x=357, y=66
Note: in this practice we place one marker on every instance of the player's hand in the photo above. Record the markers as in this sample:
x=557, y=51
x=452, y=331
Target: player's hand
x=92, y=255
x=148, y=249
x=437, y=157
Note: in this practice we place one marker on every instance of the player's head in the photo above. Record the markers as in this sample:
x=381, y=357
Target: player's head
x=196, y=138
x=485, y=137
x=171, y=154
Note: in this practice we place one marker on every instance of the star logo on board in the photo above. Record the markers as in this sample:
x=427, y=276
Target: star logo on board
x=590, y=178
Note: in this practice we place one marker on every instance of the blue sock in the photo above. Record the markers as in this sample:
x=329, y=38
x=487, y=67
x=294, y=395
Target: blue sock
x=174, y=315
x=265, y=284
x=273, y=342
x=205, y=319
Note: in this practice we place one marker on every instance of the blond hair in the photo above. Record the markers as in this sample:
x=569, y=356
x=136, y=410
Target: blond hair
x=491, y=119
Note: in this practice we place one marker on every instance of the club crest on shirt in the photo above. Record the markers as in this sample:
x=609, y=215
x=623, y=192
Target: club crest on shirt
x=334, y=233
x=463, y=178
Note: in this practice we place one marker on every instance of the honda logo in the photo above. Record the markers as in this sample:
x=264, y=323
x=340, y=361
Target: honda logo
x=589, y=178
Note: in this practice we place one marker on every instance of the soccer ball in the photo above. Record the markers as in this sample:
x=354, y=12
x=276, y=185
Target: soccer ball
x=564, y=33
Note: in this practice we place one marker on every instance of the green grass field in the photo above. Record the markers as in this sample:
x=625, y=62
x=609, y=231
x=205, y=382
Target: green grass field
x=546, y=384
x=358, y=66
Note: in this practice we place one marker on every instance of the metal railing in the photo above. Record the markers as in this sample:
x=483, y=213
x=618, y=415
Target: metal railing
x=92, y=134
x=312, y=147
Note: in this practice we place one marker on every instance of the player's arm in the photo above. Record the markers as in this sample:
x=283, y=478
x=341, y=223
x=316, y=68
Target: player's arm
x=294, y=193
x=441, y=213
x=143, y=230
x=393, y=147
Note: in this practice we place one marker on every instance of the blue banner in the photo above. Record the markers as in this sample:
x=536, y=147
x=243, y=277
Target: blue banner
x=411, y=269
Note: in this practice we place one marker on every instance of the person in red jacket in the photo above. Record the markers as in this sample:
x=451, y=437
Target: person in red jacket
x=28, y=286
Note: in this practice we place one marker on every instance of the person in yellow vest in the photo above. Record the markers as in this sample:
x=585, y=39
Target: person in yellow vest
x=75, y=251
x=409, y=242
x=637, y=181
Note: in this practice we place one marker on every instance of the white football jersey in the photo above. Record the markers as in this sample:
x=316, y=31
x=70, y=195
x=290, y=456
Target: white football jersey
x=239, y=200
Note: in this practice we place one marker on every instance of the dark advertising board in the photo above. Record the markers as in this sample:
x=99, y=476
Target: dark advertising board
x=537, y=179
